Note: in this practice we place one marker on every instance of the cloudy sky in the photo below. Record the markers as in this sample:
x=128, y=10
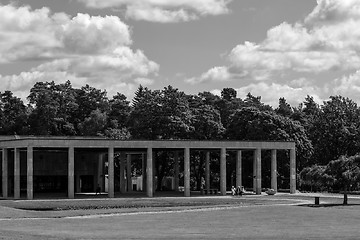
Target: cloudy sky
x=271, y=48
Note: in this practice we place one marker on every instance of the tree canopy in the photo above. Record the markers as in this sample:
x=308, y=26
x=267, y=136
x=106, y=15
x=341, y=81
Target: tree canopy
x=325, y=134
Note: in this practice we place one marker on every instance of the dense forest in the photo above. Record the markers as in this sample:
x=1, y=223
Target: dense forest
x=327, y=136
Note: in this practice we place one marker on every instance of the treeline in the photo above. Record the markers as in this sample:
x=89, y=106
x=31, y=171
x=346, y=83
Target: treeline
x=322, y=133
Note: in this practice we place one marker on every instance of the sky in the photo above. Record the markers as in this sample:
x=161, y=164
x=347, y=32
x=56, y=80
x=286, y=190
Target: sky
x=271, y=48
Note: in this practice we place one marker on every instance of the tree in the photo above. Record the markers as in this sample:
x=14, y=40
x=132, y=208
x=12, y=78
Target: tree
x=209, y=99
x=346, y=172
x=311, y=107
x=284, y=108
x=340, y=174
x=94, y=125
x=53, y=109
x=206, y=120
x=116, y=133
x=255, y=102
x=228, y=94
x=175, y=114
x=315, y=177
x=144, y=117
x=13, y=114
x=253, y=124
x=45, y=109
x=160, y=114
x=89, y=99
x=119, y=110
x=335, y=130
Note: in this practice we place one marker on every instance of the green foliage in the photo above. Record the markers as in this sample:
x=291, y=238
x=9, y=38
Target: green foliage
x=160, y=114
x=119, y=112
x=144, y=115
x=284, y=108
x=340, y=174
x=228, y=94
x=335, y=129
x=250, y=123
x=49, y=110
x=346, y=172
x=315, y=177
x=13, y=114
x=95, y=124
x=206, y=120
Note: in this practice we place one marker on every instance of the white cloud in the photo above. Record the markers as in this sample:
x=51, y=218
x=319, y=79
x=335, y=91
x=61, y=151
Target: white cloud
x=83, y=49
x=334, y=11
x=299, y=49
x=270, y=93
x=144, y=81
x=152, y=14
x=38, y=34
x=164, y=10
x=326, y=41
x=348, y=86
x=92, y=35
x=214, y=74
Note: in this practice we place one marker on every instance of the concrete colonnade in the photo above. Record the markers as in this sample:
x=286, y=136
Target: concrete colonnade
x=148, y=170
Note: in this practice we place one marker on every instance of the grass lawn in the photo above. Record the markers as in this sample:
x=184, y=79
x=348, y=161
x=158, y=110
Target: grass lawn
x=249, y=217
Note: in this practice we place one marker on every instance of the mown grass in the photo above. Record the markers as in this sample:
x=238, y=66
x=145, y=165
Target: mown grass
x=249, y=217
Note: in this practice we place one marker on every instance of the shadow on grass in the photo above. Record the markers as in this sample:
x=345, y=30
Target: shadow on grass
x=38, y=209
x=326, y=205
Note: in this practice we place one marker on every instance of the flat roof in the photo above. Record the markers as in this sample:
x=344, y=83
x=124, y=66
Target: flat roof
x=97, y=142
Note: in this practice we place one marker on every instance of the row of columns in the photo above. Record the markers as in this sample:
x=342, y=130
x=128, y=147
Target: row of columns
x=257, y=171
x=150, y=172
x=29, y=173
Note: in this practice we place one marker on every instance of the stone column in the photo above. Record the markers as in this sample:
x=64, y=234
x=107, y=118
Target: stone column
x=149, y=172
x=292, y=171
x=207, y=171
x=155, y=179
x=30, y=172
x=17, y=173
x=128, y=173
x=176, y=171
x=111, y=172
x=187, y=172
x=273, y=170
x=122, y=172
x=238, y=168
x=100, y=173
x=4, y=173
x=143, y=169
x=223, y=171
x=71, y=166
x=258, y=170
x=254, y=172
